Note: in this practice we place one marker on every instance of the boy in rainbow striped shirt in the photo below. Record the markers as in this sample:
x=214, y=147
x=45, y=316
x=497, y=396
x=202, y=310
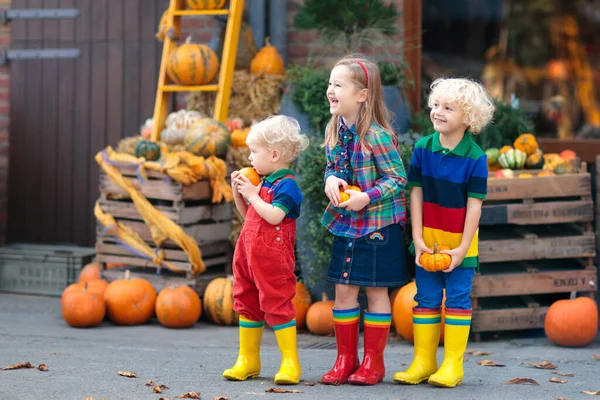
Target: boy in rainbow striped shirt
x=448, y=176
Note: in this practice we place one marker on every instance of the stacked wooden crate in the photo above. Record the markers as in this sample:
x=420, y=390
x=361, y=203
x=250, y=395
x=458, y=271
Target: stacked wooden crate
x=537, y=245
x=188, y=206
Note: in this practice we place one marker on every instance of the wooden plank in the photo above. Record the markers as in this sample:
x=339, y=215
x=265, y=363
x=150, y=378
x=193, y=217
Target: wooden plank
x=537, y=248
x=494, y=285
x=159, y=189
x=538, y=213
x=138, y=261
x=508, y=319
x=131, y=66
x=114, y=87
x=570, y=185
x=212, y=254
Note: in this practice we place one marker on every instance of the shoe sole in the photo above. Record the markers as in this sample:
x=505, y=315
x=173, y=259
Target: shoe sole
x=405, y=382
x=237, y=378
x=440, y=384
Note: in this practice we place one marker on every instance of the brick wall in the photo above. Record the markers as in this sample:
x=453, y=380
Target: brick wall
x=4, y=125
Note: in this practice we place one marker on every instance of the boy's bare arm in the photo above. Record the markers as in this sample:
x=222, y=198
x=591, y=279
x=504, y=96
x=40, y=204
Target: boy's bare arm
x=271, y=214
x=240, y=204
x=416, y=211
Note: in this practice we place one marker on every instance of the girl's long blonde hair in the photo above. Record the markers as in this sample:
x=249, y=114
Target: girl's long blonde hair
x=373, y=110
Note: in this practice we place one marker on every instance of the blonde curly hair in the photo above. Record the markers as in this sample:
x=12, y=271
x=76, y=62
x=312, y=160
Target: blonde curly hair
x=279, y=132
x=469, y=95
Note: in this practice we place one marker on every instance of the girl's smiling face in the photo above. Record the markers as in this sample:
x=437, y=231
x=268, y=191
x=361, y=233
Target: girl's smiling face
x=344, y=98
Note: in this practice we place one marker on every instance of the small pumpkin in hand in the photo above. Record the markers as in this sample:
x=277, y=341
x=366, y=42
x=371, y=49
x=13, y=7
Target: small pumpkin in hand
x=436, y=261
x=251, y=174
x=345, y=196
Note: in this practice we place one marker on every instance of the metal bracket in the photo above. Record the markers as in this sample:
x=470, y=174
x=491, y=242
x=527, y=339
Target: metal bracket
x=37, y=54
x=37, y=13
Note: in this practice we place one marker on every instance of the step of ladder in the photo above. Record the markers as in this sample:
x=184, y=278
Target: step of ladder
x=177, y=10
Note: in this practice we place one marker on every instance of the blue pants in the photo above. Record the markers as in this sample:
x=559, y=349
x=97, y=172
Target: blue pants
x=430, y=287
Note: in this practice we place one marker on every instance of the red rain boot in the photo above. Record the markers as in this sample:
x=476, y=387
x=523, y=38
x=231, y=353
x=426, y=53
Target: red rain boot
x=372, y=369
x=346, y=336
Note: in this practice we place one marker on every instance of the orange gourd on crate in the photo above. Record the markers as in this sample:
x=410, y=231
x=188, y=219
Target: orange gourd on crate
x=251, y=174
x=526, y=143
x=319, y=318
x=238, y=137
x=90, y=272
x=208, y=137
x=218, y=302
x=192, y=64
x=302, y=302
x=178, y=306
x=572, y=323
x=402, y=312
x=436, y=261
x=82, y=308
x=267, y=61
x=206, y=4
x=130, y=301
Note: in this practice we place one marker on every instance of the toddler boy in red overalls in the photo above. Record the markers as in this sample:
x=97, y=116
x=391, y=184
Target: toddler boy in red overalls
x=263, y=263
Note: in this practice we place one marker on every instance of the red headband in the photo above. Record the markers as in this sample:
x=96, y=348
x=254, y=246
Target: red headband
x=364, y=70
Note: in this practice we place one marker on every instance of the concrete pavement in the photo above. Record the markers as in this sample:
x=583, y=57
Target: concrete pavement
x=84, y=363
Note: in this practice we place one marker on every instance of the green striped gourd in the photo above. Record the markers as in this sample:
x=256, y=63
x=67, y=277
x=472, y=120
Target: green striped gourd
x=218, y=301
x=208, y=137
x=513, y=159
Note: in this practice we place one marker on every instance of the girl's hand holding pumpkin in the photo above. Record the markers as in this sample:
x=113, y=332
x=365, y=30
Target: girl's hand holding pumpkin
x=356, y=202
x=246, y=188
x=458, y=255
x=332, y=189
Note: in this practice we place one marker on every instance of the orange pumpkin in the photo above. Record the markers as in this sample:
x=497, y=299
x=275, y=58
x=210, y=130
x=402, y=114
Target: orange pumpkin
x=568, y=155
x=402, y=312
x=192, y=64
x=90, y=272
x=302, y=302
x=238, y=137
x=234, y=124
x=345, y=196
x=251, y=174
x=527, y=143
x=205, y=4
x=319, y=318
x=393, y=296
x=130, y=301
x=267, y=61
x=572, y=323
x=208, y=137
x=82, y=308
x=218, y=301
x=178, y=306
x=97, y=286
x=436, y=261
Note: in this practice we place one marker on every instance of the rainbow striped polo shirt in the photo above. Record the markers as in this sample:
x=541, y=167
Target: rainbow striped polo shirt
x=448, y=178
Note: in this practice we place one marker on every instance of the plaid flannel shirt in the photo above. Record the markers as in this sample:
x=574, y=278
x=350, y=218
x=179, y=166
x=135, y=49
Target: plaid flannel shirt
x=379, y=173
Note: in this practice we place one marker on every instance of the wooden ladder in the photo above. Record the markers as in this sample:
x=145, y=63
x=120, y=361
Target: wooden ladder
x=177, y=9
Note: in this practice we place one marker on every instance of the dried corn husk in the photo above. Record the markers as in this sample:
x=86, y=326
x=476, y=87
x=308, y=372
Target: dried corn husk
x=127, y=144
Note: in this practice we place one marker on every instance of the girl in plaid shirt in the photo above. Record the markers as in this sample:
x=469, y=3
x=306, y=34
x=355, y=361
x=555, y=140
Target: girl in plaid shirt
x=367, y=224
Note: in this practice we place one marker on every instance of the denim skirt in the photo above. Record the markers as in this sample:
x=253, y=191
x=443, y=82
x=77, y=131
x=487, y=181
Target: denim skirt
x=376, y=259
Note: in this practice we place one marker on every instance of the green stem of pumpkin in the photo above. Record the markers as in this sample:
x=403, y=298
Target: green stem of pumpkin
x=435, y=247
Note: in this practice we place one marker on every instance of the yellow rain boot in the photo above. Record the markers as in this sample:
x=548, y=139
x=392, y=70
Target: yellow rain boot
x=456, y=336
x=290, y=371
x=248, y=361
x=426, y=327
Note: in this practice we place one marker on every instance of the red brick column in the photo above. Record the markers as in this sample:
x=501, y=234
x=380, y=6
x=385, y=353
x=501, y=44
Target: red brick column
x=4, y=125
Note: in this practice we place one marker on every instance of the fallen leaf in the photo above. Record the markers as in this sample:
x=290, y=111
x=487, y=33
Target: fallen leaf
x=566, y=374
x=18, y=366
x=563, y=398
x=522, y=381
x=557, y=380
x=310, y=383
x=221, y=398
x=597, y=357
x=403, y=364
x=149, y=383
x=89, y=398
x=490, y=363
x=128, y=374
x=43, y=367
x=278, y=390
x=478, y=353
x=540, y=365
x=164, y=398
x=591, y=393
x=159, y=388
x=189, y=395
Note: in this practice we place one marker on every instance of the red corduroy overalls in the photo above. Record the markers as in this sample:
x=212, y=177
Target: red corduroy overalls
x=263, y=267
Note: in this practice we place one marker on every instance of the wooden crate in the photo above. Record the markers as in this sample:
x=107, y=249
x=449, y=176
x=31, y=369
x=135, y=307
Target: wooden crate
x=188, y=206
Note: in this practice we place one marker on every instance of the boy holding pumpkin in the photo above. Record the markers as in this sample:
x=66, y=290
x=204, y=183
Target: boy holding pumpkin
x=263, y=263
x=448, y=176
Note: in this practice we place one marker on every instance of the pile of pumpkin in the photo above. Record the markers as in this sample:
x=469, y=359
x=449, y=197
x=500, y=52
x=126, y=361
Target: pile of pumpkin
x=526, y=154
x=134, y=301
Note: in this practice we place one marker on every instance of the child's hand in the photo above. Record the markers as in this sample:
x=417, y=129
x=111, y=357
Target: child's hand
x=246, y=188
x=420, y=248
x=234, y=184
x=356, y=202
x=332, y=189
x=458, y=255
